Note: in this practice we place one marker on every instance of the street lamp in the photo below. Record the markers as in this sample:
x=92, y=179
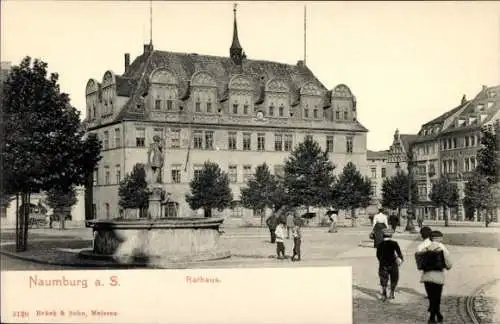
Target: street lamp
x=410, y=212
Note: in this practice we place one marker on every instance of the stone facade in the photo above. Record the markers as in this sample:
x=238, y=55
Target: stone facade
x=232, y=110
x=448, y=145
x=379, y=169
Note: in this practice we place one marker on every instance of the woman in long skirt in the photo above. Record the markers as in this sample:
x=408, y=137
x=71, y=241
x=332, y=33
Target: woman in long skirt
x=379, y=223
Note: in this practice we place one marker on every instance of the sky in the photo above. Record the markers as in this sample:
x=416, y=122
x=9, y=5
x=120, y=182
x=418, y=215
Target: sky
x=406, y=62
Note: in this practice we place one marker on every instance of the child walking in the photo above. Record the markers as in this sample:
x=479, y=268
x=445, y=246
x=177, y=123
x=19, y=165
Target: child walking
x=280, y=239
x=297, y=239
x=390, y=258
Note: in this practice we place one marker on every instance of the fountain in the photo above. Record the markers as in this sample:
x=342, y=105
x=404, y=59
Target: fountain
x=154, y=240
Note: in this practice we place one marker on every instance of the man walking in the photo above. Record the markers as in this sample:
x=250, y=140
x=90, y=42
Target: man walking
x=333, y=219
x=272, y=223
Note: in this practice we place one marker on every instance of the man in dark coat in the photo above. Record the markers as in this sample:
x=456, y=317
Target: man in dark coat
x=272, y=223
x=393, y=221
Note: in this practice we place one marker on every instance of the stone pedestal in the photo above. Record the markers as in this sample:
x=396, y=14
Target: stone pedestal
x=154, y=209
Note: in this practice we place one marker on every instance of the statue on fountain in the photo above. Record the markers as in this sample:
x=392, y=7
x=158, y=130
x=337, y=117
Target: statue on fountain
x=156, y=159
x=154, y=168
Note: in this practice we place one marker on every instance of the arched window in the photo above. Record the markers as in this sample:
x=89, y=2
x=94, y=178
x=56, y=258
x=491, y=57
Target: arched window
x=271, y=109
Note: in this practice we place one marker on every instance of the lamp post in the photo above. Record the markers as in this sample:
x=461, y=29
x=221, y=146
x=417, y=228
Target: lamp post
x=410, y=212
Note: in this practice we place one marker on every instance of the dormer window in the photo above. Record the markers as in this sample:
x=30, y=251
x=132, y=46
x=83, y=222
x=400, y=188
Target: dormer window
x=281, y=111
x=209, y=106
x=306, y=113
x=315, y=112
x=235, y=108
x=490, y=104
x=158, y=104
x=480, y=107
x=492, y=94
x=245, y=108
x=271, y=110
x=198, y=105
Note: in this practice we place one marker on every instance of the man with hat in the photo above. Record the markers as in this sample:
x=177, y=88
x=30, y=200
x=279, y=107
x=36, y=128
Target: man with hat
x=390, y=258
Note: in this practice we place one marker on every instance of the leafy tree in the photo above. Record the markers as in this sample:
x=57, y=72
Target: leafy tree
x=44, y=145
x=309, y=175
x=352, y=191
x=486, y=156
x=60, y=200
x=444, y=194
x=210, y=189
x=395, y=192
x=478, y=194
x=262, y=190
x=133, y=191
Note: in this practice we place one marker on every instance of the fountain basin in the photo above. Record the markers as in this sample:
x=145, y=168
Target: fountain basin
x=157, y=241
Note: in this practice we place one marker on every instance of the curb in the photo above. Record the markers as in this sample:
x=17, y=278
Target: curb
x=470, y=301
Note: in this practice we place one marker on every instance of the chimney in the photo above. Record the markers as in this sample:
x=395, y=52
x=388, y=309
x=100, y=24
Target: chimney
x=484, y=88
x=300, y=63
x=464, y=99
x=148, y=48
x=127, y=61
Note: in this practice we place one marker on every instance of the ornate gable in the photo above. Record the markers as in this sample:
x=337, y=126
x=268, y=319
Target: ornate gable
x=163, y=76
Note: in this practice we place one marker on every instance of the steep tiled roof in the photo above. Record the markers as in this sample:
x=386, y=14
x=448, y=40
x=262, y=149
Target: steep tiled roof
x=443, y=117
x=407, y=140
x=377, y=155
x=184, y=65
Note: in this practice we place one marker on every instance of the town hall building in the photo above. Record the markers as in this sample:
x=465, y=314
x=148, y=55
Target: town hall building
x=236, y=111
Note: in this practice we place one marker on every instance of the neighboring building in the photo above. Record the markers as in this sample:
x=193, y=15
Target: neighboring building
x=448, y=145
x=232, y=110
x=379, y=169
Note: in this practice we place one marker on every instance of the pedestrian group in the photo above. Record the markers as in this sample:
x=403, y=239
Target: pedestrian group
x=432, y=258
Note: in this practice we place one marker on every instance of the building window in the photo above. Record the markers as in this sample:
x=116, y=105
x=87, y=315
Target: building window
x=169, y=104
x=454, y=143
x=315, y=113
x=247, y=172
x=245, y=109
x=176, y=173
x=261, y=142
x=472, y=163
x=106, y=140
x=209, y=107
x=118, y=137
x=233, y=173
x=197, y=171
x=271, y=110
x=247, y=141
x=288, y=142
x=140, y=137
x=466, y=164
x=345, y=115
x=107, y=177
x=235, y=108
x=118, y=175
x=175, y=138
x=306, y=113
x=171, y=209
x=106, y=207
x=337, y=115
x=282, y=111
x=349, y=144
x=94, y=211
x=278, y=142
x=158, y=104
x=209, y=140
x=198, y=106
x=198, y=140
x=373, y=173
x=308, y=137
x=232, y=141
x=473, y=140
x=329, y=143
x=466, y=141
x=383, y=172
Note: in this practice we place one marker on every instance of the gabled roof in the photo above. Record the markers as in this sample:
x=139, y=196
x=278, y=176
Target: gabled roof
x=446, y=115
x=407, y=140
